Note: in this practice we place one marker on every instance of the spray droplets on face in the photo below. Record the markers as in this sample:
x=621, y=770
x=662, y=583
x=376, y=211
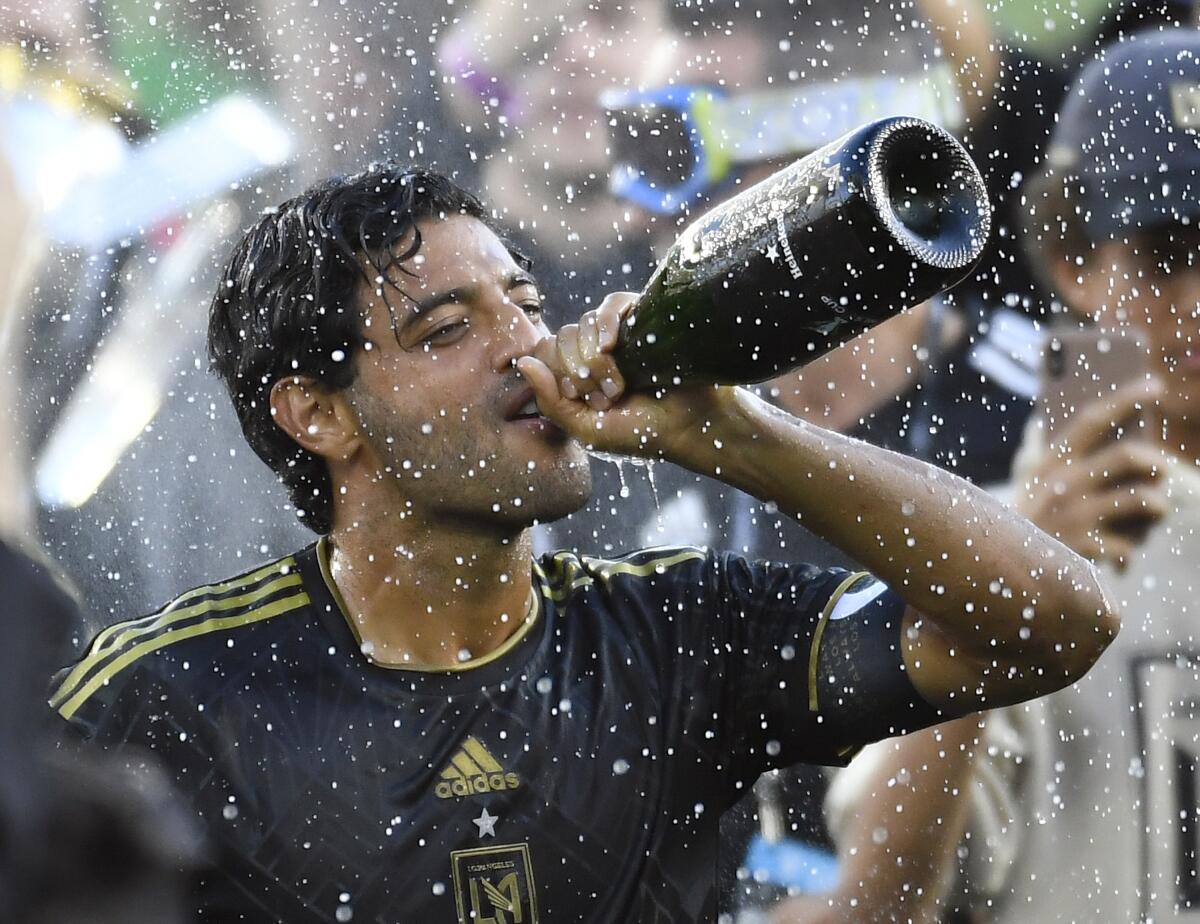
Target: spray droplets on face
x=436, y=402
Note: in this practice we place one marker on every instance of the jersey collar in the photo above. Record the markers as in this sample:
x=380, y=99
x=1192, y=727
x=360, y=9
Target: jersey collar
x=531, y=618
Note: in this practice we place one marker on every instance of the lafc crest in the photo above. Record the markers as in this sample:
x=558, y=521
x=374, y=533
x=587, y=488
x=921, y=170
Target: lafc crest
x=494, y=885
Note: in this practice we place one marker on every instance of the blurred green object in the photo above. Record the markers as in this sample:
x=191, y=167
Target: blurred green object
x=177, y=57
x=1048, y=27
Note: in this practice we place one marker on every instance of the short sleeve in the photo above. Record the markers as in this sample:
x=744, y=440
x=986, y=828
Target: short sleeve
x=814, y=668
x=139, y=715
x=108, y=713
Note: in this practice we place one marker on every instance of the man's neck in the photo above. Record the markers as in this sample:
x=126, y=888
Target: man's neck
x=429, y=595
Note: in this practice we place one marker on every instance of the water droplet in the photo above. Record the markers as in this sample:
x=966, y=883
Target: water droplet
x=544, y=685
x=620, y=767
x=229, y=812
x=427, y=428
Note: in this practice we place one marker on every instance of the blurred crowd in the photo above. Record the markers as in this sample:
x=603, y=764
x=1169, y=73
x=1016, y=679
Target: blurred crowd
x=137, y=137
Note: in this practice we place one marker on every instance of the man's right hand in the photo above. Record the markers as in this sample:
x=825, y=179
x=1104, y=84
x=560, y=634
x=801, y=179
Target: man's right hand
x=1098, y=488
x=579, y=386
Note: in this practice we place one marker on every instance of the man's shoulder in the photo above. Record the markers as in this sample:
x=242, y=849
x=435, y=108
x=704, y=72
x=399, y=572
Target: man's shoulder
x=196, y=627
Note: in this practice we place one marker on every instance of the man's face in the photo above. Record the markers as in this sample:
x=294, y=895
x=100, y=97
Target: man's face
x=443, y=410
x=1152, y=280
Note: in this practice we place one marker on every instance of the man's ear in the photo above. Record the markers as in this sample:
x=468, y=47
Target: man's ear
x=320, y=419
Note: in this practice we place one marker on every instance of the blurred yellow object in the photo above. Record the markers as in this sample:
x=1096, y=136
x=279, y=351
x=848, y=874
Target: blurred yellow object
x=80, y=88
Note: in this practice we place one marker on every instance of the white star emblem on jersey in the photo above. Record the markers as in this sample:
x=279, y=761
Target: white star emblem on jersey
x=772, y=253
x=486, y=823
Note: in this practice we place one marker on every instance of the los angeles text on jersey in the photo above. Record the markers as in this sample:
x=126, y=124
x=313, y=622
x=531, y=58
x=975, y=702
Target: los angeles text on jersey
x=473, y=771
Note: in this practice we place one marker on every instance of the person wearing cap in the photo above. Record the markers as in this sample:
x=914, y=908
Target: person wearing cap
x=1083, y=807
x=1107, y=814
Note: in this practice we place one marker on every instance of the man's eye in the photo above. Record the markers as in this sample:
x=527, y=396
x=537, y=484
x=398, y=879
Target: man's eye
x=446, y=332
x=533, y=308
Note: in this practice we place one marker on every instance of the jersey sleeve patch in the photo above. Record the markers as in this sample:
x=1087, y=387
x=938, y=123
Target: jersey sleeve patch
x=848, y=598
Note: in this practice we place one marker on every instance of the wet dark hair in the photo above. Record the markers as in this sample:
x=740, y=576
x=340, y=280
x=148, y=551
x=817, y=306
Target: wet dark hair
x=288, y=301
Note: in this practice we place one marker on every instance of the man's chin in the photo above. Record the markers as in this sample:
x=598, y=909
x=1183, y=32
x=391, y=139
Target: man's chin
x=554, y=498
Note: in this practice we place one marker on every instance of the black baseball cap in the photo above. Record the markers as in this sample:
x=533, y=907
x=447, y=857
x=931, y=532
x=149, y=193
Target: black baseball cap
x=1128, y=135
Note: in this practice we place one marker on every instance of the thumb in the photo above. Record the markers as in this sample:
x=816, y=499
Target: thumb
x=550, y=400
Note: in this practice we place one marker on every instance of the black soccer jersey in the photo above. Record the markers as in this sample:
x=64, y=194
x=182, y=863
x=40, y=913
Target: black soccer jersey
x=577, y=774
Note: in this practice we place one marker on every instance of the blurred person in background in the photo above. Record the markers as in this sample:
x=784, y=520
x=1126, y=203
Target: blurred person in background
x=898, y=863
x=1106, y=825
x=527, y=80
x=91, y=840
x=1083, y=807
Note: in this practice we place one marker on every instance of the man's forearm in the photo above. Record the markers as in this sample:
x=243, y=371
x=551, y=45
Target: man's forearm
x=950, y=550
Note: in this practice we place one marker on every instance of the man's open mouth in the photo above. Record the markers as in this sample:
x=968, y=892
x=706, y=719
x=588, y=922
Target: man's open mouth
x=528, y=409
x=523, y=406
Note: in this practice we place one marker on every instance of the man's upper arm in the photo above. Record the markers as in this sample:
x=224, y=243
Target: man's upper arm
x=816, y=668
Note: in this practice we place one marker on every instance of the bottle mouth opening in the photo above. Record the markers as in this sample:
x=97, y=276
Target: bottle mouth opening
x=930, y=193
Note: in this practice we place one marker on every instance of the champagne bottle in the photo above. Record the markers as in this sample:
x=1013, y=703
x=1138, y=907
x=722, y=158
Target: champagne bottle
x=875, y=222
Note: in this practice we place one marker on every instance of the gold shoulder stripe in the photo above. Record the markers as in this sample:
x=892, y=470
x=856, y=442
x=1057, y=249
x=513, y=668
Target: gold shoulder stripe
x=129, y=631
x=171, y=636
x=610, y=569
x=568, y=572
x=815, y=650
x=102, y=639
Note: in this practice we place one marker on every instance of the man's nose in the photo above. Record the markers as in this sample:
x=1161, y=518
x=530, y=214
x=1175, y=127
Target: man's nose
x=517, y=334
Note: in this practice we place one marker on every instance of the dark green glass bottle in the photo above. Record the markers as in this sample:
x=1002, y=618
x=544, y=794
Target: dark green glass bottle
x=876, y=222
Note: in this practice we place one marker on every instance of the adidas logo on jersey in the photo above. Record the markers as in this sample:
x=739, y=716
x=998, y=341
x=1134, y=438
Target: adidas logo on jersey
x=473, y=771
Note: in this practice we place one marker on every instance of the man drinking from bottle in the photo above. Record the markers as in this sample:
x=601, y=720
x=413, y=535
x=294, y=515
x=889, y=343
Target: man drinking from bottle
x=413, y=718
